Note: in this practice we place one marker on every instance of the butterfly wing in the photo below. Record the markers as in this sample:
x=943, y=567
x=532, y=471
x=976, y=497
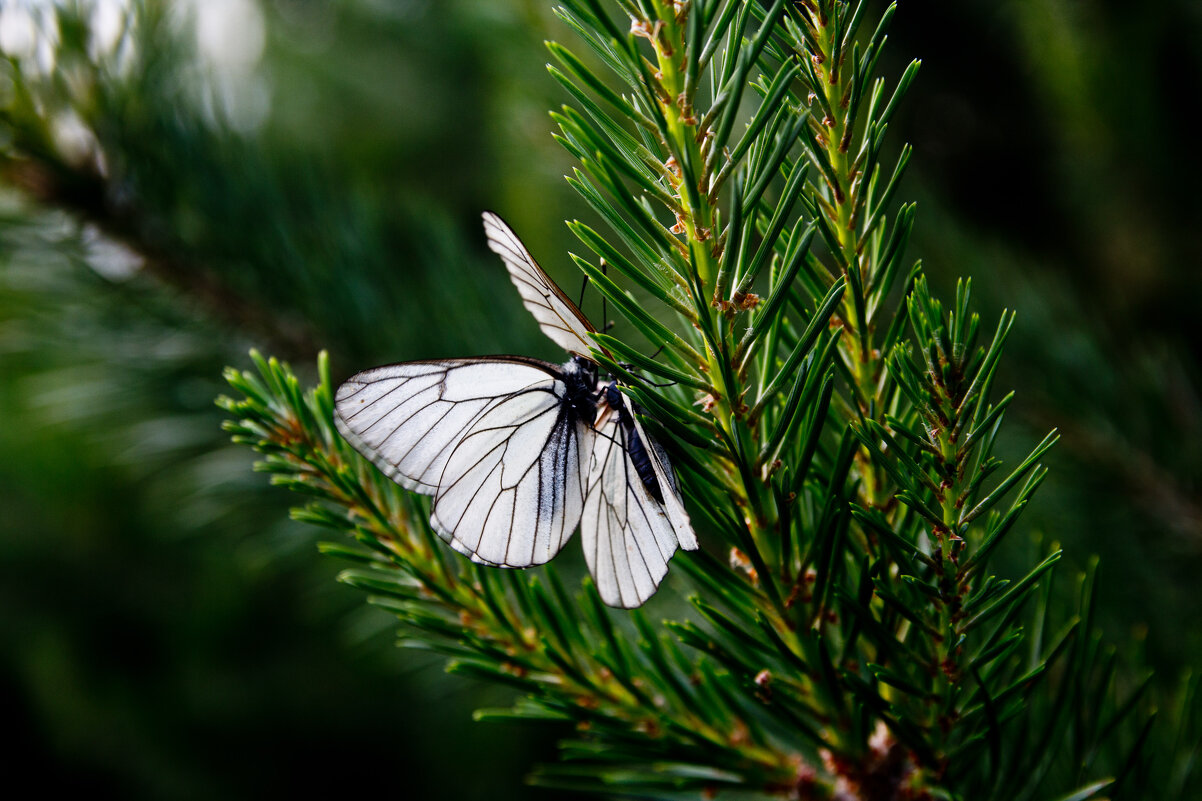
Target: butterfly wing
x=512, y=492
x=557, y=315
x=628, y=535
x=492, y=439
x=673, y=505
x=407, y=418
x=507, y=456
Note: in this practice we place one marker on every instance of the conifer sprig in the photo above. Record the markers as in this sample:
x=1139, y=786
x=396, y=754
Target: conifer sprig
x=572, y=658
x=836, y=446
x=667, y=138
x=850, y=638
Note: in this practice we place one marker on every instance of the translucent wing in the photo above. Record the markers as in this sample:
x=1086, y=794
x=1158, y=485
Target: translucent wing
x=407, y=418
x=673, y=506
x=493, y=441
x=629, y=535
x=556, y=314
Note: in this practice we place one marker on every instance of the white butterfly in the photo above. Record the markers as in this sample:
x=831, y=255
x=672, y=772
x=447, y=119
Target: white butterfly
x=518, y=451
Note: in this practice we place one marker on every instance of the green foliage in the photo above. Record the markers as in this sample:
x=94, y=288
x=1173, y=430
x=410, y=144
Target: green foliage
x=165, y=630
x=834, y=425
x=153, y=156
x=855, y=639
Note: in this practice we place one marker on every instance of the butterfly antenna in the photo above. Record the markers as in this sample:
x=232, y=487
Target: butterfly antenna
x=631, y=369
x=583, y=286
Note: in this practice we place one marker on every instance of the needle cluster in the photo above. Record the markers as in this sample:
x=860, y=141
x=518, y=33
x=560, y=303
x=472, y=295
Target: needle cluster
x=851, y=631
x=834, y=429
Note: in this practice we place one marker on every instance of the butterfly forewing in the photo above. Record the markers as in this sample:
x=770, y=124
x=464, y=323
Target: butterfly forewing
x=629, y=536
x=407, y=418
x=556, y=314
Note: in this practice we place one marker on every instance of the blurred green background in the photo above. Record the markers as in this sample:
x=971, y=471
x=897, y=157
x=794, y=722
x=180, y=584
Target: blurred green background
x=296, y=174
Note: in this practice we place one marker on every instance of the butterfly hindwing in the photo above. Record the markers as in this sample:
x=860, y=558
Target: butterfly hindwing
x=628, y=535
x=407, y=418
x=511, y=493
x=672, y=505
x=556, y=314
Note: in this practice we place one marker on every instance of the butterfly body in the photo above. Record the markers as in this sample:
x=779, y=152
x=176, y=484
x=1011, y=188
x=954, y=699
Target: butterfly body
x=518, y=452
x=580, y=378
x=636, y=449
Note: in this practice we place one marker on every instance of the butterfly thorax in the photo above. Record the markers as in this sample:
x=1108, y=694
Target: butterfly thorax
x=580, y=378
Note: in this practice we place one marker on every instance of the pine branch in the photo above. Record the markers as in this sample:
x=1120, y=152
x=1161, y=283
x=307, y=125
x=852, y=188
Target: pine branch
x=87, y=195
x=74, y=176
x=836, y=449
x=575, y=662
x=150, y=160
x=855, y=636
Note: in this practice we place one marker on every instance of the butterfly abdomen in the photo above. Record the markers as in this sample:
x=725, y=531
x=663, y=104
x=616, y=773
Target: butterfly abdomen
x=635, y=447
